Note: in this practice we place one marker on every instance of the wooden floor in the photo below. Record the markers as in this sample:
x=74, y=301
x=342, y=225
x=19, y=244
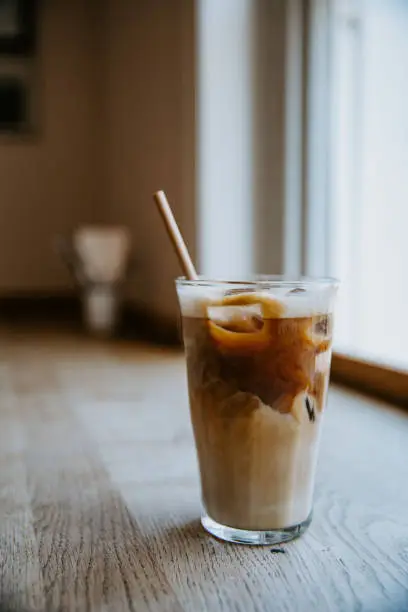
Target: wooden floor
x=99, y=497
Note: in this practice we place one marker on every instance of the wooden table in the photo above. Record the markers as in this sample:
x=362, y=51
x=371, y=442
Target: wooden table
x=99, y=497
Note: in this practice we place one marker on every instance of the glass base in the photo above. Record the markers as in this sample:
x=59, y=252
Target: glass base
x=256, y=538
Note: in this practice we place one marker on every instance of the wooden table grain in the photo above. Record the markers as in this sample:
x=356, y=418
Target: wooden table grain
x=99, y=496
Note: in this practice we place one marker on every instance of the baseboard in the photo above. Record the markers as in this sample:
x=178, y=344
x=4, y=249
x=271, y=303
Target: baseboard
x=140, y=323
x=39, y=306
x=65, y=310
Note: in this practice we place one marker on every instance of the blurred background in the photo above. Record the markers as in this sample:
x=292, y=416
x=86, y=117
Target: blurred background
x=277, y=128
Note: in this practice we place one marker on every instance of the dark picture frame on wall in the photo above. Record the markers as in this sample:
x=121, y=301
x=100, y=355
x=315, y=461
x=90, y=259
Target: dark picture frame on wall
x=14, y=117
x=18, y=27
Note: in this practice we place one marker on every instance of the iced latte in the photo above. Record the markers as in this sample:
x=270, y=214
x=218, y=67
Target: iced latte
x=258, y=360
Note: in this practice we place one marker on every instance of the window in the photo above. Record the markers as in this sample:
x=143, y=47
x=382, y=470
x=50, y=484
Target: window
x=358, y=165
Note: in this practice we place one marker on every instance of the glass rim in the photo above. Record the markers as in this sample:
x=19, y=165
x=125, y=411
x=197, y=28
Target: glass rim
x=265, y=281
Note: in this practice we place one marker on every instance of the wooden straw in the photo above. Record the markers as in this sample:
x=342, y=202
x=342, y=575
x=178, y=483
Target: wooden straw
x=175, y=235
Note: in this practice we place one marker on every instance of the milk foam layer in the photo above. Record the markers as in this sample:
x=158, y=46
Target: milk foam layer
x=195, y=300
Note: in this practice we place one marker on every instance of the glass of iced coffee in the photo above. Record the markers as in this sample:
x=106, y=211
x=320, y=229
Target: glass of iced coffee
x=258, y=360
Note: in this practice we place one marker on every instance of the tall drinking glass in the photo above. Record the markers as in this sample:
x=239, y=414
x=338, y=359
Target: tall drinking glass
x=258, y=361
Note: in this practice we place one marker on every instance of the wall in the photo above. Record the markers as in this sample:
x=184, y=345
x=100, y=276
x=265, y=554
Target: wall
x=150, y=140
x=270, y=139
x=226, y=137
x=241, y=126
x=47, y=181
x=119, y=98
x=117, y=123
